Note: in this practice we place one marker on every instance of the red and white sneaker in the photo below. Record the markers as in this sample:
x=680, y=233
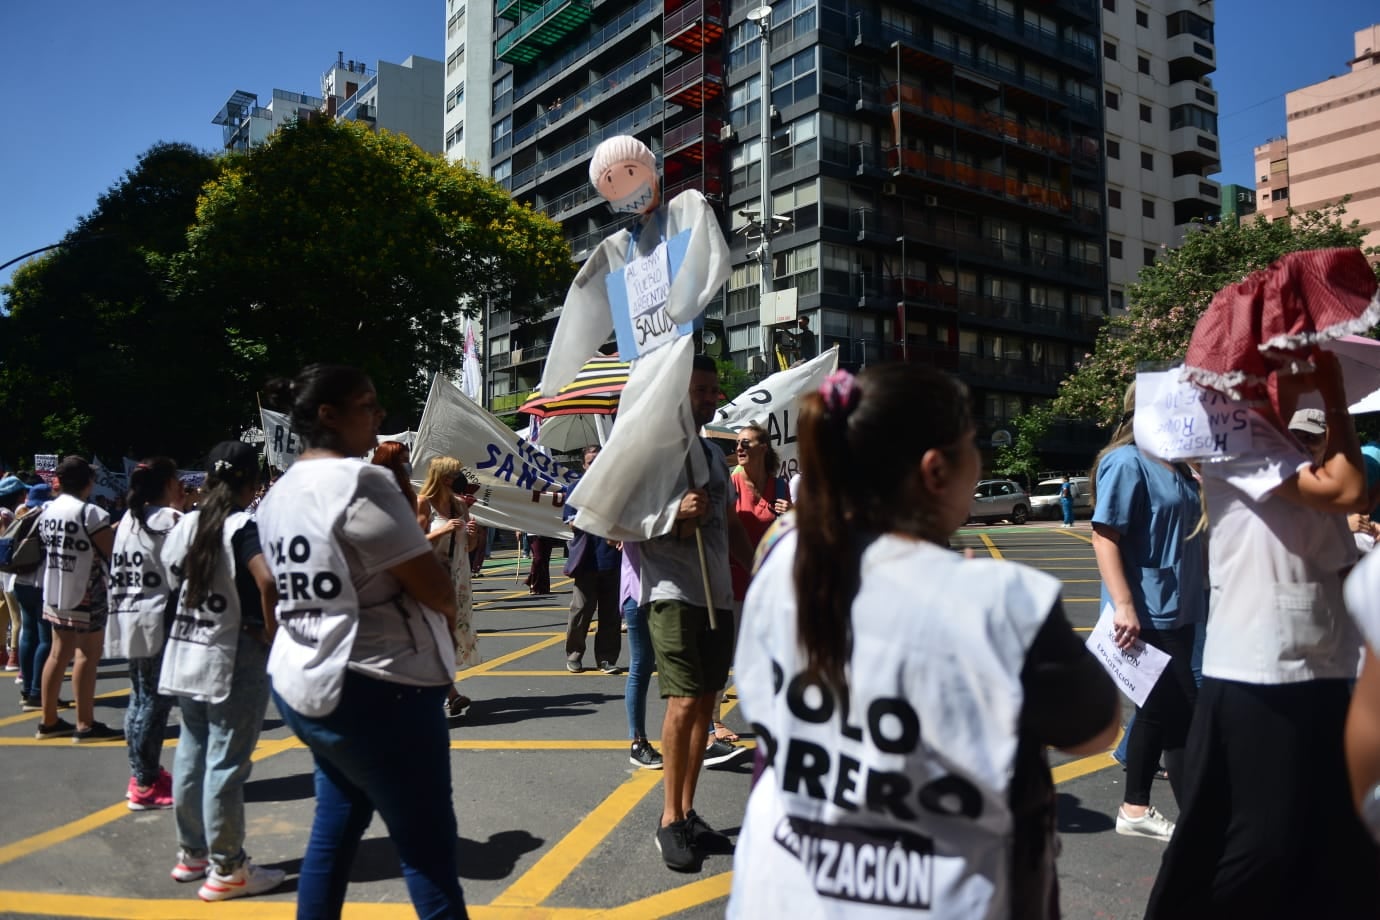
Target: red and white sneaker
x=150, y=798
x=189, y=868
x=248, y=879
x=163, y=784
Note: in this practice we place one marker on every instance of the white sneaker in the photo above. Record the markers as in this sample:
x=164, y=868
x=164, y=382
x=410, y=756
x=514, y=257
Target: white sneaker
x=248, y=879
x=189, y=868
x=1152, y=824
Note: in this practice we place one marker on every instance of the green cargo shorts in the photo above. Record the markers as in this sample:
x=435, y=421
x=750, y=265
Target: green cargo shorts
x=691, y=658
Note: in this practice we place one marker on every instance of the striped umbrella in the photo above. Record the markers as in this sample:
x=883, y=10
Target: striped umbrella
x=594, y=391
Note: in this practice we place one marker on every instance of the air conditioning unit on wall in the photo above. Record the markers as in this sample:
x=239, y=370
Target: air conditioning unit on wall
x=726, y=133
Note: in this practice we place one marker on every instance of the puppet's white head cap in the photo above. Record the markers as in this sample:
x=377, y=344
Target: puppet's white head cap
x=619, y=149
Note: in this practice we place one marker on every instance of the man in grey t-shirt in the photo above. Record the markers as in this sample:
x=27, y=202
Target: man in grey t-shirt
x=693, y=659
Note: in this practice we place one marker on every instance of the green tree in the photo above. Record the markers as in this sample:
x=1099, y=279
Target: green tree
x=95, y=354
x=1163, y=306
x=334, y=243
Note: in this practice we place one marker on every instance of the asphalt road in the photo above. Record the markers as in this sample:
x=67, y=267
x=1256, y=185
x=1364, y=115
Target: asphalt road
x=554, y=821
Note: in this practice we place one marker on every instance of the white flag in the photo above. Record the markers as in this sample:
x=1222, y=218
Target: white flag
x=471, y=379
x=281, y=445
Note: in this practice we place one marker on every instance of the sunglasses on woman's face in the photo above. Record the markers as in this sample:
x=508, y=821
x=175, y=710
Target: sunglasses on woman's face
x=745, y=443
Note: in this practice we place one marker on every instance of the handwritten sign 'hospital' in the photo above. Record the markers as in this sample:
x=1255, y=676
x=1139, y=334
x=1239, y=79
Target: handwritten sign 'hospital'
x=1176, y=420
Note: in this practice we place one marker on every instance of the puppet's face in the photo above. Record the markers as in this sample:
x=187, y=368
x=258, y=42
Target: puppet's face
x=629, y=186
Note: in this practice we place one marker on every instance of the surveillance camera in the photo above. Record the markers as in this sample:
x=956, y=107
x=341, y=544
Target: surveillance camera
x=749, y=213
x=777, y=218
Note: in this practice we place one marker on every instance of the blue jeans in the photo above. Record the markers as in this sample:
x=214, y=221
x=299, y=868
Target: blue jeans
x=213, y=760
x=35, y=639
x=641, y=664
x=1066, y=504
x=386, y=748
x=146, y=718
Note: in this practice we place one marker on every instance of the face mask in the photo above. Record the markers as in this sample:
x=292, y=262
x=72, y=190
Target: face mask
x=636, y=202
x=407, y=469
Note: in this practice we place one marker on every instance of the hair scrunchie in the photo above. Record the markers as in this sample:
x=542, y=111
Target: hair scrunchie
x=840, y=393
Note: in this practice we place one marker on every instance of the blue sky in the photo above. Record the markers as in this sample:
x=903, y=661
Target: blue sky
x=98, y=82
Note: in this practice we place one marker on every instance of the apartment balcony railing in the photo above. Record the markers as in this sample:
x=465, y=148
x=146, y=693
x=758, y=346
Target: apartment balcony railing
x=679, y=25
x=621, y=75
x=708, y=183
x=695, y=82
x=624, y=23
x=500, y=360
x=500, y=318
x=570, y=201
x=870, y=30
x=583, y=245
x=541, y=29
x=1002, y=23
x=937, y=294
x=507, y=402
x=947, y=109
x=635, y=120
x=964, y=175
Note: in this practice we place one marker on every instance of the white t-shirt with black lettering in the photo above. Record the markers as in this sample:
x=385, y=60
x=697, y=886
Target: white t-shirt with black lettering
x=139, y=585
x=74, y=574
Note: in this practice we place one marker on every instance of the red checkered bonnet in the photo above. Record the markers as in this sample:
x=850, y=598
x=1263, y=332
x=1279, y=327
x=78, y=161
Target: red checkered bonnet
x=1272, y=321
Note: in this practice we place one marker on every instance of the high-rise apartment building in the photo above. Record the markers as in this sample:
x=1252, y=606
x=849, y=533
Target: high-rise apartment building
x=939, y=163
x=402, y=98
x=1238, y=203
x=1162, y=144
x=469, y=51
x=1331, y=147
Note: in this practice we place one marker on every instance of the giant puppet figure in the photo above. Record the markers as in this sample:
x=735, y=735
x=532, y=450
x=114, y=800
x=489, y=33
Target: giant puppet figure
x=648, y=283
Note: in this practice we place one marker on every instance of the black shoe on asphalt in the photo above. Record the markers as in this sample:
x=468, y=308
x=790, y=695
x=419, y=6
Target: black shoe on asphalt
x=703, y=837
x=98, y=731
x=644, y=755
x=720, y=753
x=673, y=841
x=59, y=729
x=608, y=667
x=29, y=703
x=574, y=667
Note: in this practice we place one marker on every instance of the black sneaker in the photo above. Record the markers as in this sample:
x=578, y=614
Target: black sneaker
x=673, y=841
x=29, y=703
x=59, y=729
x=703, y=837
x=98, y=731
x=720, y=753
x=608, y=667
x=456, y=708
x=644, y=755
x=574, y=667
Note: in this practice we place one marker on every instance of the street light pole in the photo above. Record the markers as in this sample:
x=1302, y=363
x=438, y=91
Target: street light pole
x=762, y=17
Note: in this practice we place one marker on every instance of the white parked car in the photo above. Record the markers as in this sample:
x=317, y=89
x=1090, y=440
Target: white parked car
x=999, y=500
x=1044, y=501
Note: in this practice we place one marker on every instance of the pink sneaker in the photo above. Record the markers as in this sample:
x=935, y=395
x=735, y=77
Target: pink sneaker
x=150, y=799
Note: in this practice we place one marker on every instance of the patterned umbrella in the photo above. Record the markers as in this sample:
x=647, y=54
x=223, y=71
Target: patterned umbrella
x=594, y=391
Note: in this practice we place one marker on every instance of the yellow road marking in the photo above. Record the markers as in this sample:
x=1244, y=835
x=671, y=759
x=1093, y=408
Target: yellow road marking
x=991, y=547
x=487, y=666
x=517, y=633
x=70, y=905
x=65, y=832
x=1076, y=536
x=674, y=901
x=38, y=713
x=587, y=672
x=541, y=881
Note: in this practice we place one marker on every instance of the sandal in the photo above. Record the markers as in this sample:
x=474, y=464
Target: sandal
x=723, y=733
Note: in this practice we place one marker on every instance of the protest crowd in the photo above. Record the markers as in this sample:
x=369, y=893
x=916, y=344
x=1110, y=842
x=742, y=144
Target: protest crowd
x=903, y=696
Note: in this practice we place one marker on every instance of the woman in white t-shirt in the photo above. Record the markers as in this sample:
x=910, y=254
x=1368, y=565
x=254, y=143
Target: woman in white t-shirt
x=140, y=616
x=364, y=653
x=77, y=542
x=903, y=696
x=1266, y=828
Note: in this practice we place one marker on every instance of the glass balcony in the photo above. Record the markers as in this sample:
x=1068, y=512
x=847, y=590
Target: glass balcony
x=639, y=118
x=614, y=30
x=956, y=173
x=947, y=109
x=622, y=75
x=541, y=29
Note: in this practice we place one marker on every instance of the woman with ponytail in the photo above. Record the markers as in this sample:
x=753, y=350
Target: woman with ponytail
x=364, y=653
x=902, y=695
x=141, y=607
x=216, y=665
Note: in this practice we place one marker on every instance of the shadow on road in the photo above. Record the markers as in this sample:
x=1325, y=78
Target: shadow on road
x=504, y=710
x=1073, y=818
x=377, y=859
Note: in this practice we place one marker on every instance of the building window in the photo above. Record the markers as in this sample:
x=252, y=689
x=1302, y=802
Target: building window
x=1143, y=64
x=455, y=136
x=1147, y=207
x=456, y=97
x=1280, y=194
x=502, y=136
x=1113, y=197
x=1113, y=100
x=1191, y=116
x=794, y=79
x=1109, y=50
x=1113, y=150
x=1190, y=23
x=1114, y=248
x=745, y=45
x=745, y=165
x=455, y=61
x=1118, y=300
x=1149, y=256
x=745, y=102
x=1109, y=5
x=800, y=204
x=795, y=145
x=1147, y=160
x=1142, y=19
x=790, y=20
x=1146, y=114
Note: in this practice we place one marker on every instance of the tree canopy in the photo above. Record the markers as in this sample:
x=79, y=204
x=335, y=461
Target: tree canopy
x=1163, y=306
x=197, y=277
